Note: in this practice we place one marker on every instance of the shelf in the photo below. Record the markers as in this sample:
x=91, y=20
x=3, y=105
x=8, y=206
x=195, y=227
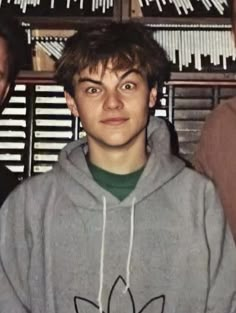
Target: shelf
x=183, y=20
x=35, y=77
x=184, y=78
x=226, y=78
x=67, y=22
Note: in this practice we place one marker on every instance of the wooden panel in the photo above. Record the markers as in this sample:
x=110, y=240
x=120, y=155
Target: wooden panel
x=194, y=104
x=227, y=92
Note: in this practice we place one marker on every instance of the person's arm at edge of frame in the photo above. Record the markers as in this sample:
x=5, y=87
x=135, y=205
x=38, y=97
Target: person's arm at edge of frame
x=14, y=256
x=208, y=143
x=222, y=256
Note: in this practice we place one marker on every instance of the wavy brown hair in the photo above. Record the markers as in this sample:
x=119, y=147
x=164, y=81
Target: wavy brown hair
x=126, y=45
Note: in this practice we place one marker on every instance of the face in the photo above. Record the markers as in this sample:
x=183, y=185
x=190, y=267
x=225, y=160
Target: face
x=4, y=84
x=113, y=106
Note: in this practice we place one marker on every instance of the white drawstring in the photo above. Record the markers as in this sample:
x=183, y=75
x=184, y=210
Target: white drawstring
x=102, y=255
x=131, y=240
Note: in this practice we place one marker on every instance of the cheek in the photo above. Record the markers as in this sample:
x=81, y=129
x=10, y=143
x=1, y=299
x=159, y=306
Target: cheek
x=140, y=117
x=87, y=117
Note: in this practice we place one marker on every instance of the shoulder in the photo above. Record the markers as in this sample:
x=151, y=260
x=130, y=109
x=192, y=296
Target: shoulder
x=35, y=189
x=31, y=199
x=194, y=176
x=225, y=105
x=197, y=185
x=205, y=186
x=192, y=196
x=218, y=128
x=192, y=182
x=222, y=114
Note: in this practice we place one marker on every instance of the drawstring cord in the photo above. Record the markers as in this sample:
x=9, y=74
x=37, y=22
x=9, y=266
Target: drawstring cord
x=102, y=254
x=131, y=240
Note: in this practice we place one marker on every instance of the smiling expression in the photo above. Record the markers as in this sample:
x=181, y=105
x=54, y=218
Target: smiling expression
x=113, y=106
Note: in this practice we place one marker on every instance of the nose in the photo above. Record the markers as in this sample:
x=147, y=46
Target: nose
x=112, y=101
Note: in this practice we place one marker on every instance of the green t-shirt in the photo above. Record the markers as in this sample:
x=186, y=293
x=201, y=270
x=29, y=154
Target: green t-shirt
x=118, y=185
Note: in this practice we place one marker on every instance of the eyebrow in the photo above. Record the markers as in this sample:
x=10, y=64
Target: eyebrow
x=88, y=79
x=98, y=82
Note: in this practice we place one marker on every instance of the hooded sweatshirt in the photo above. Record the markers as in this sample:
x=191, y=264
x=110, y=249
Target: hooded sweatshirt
x=69, y=246
x=216, y=155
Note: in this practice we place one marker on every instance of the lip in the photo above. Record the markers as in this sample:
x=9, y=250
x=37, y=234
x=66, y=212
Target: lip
x=114, y=121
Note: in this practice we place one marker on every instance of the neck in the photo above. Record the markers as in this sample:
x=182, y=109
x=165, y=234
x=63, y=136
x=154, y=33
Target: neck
x=119, y=161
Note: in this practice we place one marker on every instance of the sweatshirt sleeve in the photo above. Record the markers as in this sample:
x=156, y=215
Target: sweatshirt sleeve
x=222, y=256
x=205, y=156
x=14, y=256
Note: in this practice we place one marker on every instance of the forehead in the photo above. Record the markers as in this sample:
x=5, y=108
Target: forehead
x=101, y=71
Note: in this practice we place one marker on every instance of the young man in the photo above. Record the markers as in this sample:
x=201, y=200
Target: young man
x=11, y=56
x=215, y=154
x=119, y=224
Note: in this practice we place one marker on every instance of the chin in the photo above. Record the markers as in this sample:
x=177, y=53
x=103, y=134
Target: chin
x=118, y=143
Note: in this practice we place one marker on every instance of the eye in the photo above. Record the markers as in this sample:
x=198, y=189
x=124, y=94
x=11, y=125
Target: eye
x=128, y=86
x=93, y=90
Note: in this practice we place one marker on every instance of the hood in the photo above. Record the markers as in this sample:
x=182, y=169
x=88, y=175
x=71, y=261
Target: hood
x=75, y=177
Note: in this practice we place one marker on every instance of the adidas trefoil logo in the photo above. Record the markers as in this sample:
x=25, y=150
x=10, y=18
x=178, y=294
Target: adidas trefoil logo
x=154, y=305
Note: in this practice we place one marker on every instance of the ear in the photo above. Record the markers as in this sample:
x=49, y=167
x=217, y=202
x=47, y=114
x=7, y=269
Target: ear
x=70, y=101
x=152, y=97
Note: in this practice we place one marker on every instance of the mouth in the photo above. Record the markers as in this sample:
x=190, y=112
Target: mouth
x=116, y=121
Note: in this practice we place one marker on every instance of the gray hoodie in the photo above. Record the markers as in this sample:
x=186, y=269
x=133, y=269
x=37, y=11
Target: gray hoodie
x=69, y=246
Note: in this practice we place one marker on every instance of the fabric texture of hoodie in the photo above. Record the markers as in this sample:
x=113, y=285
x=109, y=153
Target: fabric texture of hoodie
x=69, y=246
